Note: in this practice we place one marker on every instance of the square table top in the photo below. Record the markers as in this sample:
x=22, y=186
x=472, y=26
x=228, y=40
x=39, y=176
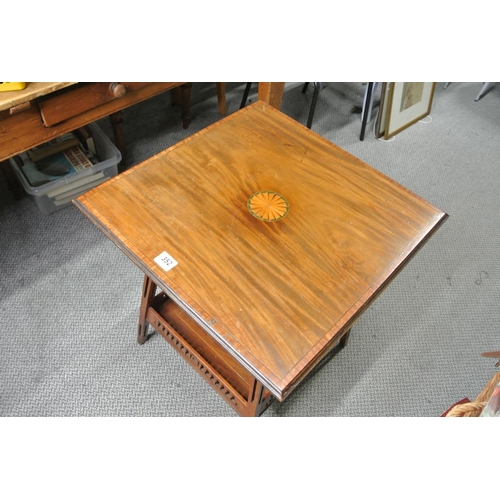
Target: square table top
x=277, y=295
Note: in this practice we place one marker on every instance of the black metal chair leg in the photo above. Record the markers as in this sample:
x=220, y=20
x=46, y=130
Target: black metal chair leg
x=364, y=119
x=304, y=88
x=245, y=95
x=313, y=106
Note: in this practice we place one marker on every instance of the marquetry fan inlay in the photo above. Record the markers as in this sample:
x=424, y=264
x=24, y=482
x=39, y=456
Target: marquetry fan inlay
x=268, y=206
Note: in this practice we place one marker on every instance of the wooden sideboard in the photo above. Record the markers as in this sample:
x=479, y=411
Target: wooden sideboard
x=43, y=111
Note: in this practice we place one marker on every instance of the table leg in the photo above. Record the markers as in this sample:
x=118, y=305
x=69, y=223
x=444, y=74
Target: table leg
x=148, y=294
x=221, y=97
x=116, y=120
x=272, y=93
x=182, y=96
x=344, y=339
x=186, y=104
x=259, y=400
x=175, y=96
x=13, y=183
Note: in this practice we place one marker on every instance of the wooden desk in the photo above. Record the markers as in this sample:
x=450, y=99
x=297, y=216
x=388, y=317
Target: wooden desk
x=253, y=306
x=44, y=111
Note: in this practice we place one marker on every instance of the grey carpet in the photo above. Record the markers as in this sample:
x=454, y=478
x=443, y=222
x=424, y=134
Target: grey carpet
x=69, y=298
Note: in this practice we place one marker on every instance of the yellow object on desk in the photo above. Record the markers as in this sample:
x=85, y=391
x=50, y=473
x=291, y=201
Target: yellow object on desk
x=8, y=86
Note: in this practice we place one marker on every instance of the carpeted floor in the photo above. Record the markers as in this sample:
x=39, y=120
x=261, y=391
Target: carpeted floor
x=69, y=298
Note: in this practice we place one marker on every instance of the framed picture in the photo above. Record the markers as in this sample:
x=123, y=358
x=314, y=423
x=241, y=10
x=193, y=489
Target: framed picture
x=382, y=113
x=408, y=102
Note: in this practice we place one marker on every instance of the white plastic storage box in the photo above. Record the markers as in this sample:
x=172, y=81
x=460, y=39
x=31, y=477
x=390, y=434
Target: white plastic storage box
x=59, y=193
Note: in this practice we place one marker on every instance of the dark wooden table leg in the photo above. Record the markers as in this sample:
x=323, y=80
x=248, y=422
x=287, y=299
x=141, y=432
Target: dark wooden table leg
x=259, y=400
x=148, y=294
x=344, y=339
x=116, y=120
x=13, y=183
x=175, y=96
x=182, y=96
x=186, y=104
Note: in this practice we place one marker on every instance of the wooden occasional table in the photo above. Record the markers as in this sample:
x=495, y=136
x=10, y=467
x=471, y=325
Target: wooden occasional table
x=253, y=305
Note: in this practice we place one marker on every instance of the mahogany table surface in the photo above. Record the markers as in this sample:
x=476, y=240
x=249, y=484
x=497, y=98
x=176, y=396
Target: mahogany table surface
x=276, y=295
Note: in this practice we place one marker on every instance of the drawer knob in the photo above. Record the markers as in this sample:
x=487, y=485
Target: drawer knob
x=117, y=89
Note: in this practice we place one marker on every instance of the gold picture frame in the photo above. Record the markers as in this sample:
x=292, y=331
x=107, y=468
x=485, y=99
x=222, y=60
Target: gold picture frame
x=382, y=113
x=408, y=102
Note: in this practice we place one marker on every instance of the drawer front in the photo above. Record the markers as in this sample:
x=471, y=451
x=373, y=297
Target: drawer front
x=74, y=100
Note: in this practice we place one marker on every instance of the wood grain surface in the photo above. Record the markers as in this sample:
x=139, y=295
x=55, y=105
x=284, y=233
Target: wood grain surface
x=276, y=295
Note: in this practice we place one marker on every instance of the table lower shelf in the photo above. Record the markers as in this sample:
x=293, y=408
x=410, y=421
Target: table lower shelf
x=246, y=395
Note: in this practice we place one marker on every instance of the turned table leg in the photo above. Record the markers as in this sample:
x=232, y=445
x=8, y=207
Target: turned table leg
x=182, y=96
x=148, y=294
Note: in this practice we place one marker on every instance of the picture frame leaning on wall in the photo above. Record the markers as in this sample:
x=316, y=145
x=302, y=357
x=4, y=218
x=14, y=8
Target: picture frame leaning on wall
x=408, y=103
x=382, y=112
